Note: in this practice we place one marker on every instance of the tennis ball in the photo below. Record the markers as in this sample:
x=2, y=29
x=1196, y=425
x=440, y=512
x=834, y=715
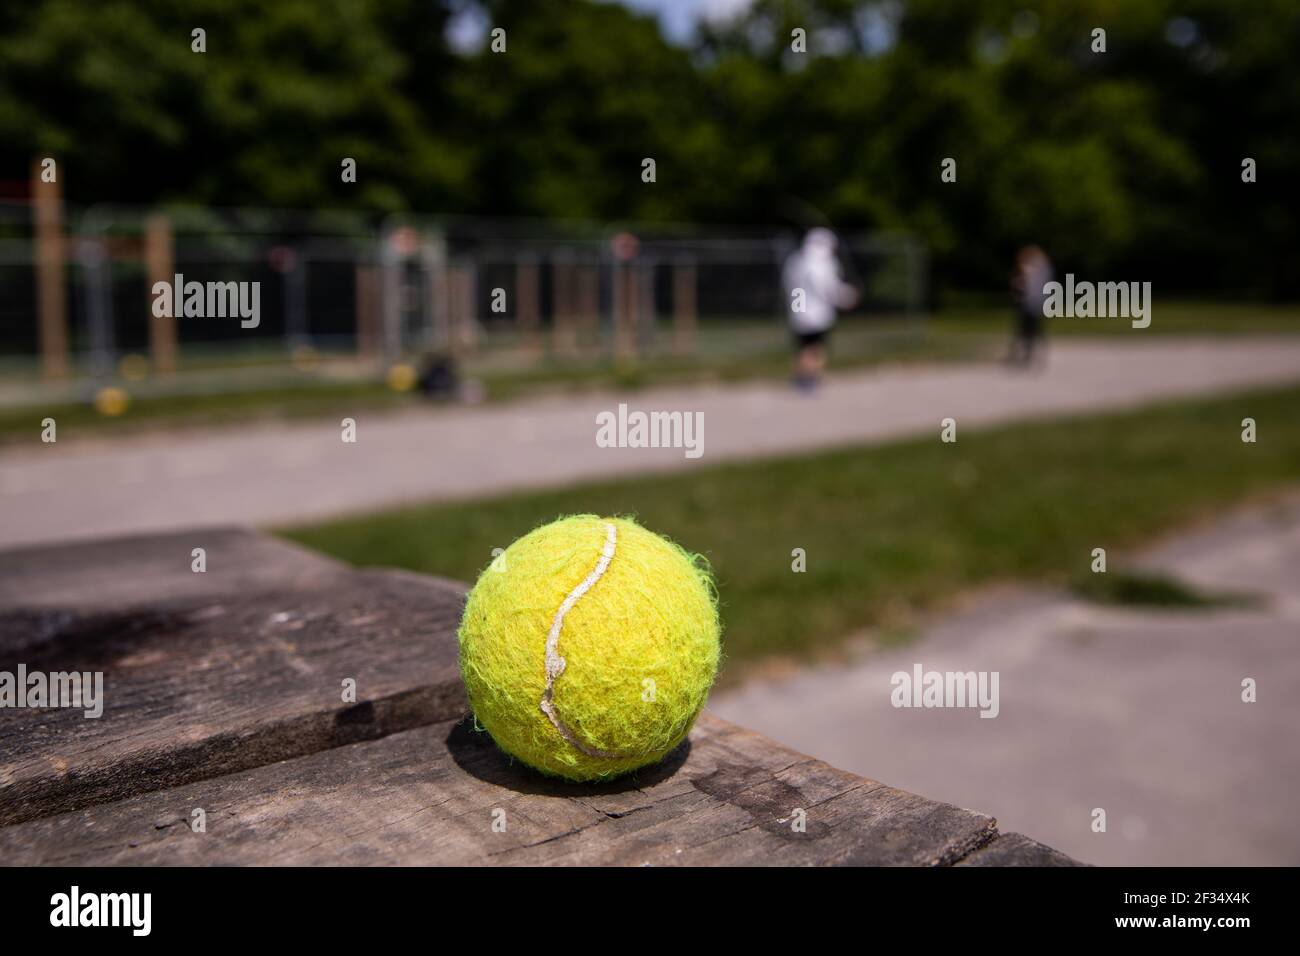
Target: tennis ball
x=112, y=401
x=588, y=647
x=402, y=377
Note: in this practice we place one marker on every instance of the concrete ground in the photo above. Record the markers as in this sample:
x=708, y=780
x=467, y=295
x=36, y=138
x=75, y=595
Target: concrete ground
x=1138, y=712
x=271, y=474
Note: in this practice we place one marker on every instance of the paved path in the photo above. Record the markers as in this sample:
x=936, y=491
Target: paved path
x=268, y=474
x=1136, y=712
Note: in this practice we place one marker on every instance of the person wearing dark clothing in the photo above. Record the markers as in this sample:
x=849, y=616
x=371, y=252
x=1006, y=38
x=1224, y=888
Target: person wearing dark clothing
x=1033, y=271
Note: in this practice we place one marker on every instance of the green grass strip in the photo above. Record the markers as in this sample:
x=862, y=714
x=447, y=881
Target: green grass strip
x=891, y=529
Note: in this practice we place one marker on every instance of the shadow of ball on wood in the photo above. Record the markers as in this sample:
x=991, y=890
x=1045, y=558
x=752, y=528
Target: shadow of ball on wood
x=475, y=752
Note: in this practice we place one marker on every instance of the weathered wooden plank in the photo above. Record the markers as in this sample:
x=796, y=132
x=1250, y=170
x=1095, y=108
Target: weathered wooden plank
x=1014, y=849
x=432, y=795
x=223, y=691
x=122, y=572
x=216, y=680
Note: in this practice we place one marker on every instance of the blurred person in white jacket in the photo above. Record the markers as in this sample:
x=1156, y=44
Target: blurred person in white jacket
x=816, y=291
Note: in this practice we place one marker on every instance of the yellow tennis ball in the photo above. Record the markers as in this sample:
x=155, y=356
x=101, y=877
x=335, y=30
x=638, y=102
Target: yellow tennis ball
x=402, y=377
x=112, y=401
x=589, y=646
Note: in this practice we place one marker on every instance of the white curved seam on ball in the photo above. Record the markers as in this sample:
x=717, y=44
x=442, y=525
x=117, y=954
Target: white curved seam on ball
x=555, y=664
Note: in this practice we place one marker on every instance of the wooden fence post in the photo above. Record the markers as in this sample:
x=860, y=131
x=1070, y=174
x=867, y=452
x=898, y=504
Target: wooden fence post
x=564, y=294
x=51, y=298
x=464, y=337
x=367, y=311
x=685, y=308
x=160, y=267
x=528, y=305
x=625, y=309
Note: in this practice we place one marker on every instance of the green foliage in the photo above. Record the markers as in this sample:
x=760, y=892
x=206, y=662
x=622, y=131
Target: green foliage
x=265, y=116
x=1127, y=162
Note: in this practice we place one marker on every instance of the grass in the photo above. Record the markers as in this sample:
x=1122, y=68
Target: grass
x=888, y=530
x=759, y=352
x=729, y=351
x=1133, y=589
x=76, y=419
x=744, y=353
x=1167, y=318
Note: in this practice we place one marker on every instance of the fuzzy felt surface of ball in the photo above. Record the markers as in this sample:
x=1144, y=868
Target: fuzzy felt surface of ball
x=588, y=646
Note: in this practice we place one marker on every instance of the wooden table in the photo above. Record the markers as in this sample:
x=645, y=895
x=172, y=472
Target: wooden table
x=224, y=693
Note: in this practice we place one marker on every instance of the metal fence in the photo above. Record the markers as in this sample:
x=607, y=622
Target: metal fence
x=78, y=286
